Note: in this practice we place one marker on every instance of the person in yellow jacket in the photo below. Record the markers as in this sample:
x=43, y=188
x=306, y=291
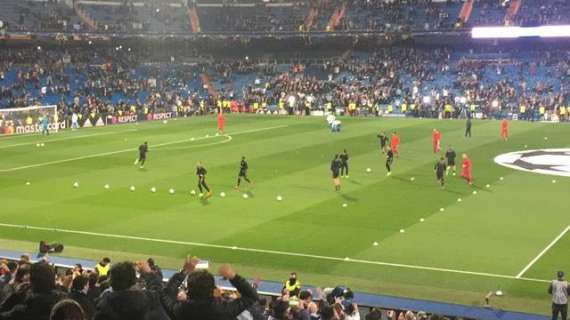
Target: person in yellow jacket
x=292, y=285
x=102, y=268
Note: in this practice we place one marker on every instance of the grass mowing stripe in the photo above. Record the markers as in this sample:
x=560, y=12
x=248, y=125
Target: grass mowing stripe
x=103, y=154
x=265, y=251
x=68, y=138
x=550, y=245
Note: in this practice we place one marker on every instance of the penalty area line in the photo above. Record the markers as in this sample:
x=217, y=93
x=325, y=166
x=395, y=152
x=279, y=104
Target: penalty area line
x=542, y=253
x=266, y=251
x=104, y=154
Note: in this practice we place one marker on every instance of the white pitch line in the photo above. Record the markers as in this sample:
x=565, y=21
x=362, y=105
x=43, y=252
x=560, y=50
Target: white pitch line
x=550, y=245
x=64, y=139
x=265, y=251
x=104, y=154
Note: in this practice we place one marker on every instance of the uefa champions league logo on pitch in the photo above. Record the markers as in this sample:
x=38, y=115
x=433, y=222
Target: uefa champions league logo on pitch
x=554, y=162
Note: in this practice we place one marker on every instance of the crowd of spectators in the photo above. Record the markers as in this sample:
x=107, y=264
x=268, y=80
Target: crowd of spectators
x=532, y=84
x=135, y=290
x=314, y=15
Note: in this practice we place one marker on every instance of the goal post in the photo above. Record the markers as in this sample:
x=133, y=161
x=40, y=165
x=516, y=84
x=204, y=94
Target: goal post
x=28, y=120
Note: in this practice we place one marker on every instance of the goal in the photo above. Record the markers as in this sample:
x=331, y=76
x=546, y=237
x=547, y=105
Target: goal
x=28, y=120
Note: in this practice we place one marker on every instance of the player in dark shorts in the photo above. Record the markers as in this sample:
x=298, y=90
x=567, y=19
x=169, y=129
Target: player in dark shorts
x=440, y=169
x=450, y=155
x=468, y=125
x=201, y=173
x=344, y=164
x=143, y=149
x=383, y=141
x=389, y=161
x=242, y=173
x=335, y=169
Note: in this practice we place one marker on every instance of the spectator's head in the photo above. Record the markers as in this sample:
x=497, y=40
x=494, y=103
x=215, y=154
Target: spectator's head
x=201, y=285
x=42, y=277
x=23, y=273
x=93, y=279
x=79, y=283
x=279, y=309
x=12, y=266
x=305, y=295
x=293, y=275
x=105, y=261
x=560, y=275
x=374, y=314
x=67, y=309
x=24, y=259
x=123, y=276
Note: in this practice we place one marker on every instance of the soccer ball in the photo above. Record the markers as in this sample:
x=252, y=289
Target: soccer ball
x=222, y=194
x=459, y=199
x=422, y=220
x=106, y=186
x=164, y=121
x=488, y=186
x=279, y=198
x=76, y=185
x=502, y=178
x=402, y=230
x=368, y=170
x=245, y=196
x=132, y=188
x=474, y=191
x=37, y=145
x=344, y=205
x=412, y=178
x=171, y=191
x=192, y=139
x=441, y=209
x=28, y=183
x=375, y=244
x=193, y=192
x=41, y=144
x=201, y=195
x=545, y=138
x=553, y=181
x=153, y=189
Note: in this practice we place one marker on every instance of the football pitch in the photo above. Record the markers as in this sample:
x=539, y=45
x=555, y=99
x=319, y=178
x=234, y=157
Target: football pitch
x=399, y=235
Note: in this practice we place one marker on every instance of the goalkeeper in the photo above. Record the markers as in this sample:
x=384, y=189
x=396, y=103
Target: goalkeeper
x=44, y=122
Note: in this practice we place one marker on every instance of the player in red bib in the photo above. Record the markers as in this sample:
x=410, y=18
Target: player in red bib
x=395, y=144
x=467, y=169
x=221, y=121
x=505, y=129
x=436, y=140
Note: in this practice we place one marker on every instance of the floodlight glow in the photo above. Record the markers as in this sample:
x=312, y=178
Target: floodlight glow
x=519, y=32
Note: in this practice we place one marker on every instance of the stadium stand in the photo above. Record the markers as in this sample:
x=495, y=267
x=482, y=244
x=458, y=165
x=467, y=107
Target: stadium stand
x=413, y=82
x=174, y=17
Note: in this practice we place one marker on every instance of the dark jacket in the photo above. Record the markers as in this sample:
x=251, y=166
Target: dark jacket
x=135, y=304
x=84, y=301
x=214, y=308
x=130, y=304
x=36, y=306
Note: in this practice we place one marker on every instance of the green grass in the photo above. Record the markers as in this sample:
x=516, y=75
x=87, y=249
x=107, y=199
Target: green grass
x=496, y=232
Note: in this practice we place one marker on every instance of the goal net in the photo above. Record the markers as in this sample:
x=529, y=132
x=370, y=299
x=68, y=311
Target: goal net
x=29, y=120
